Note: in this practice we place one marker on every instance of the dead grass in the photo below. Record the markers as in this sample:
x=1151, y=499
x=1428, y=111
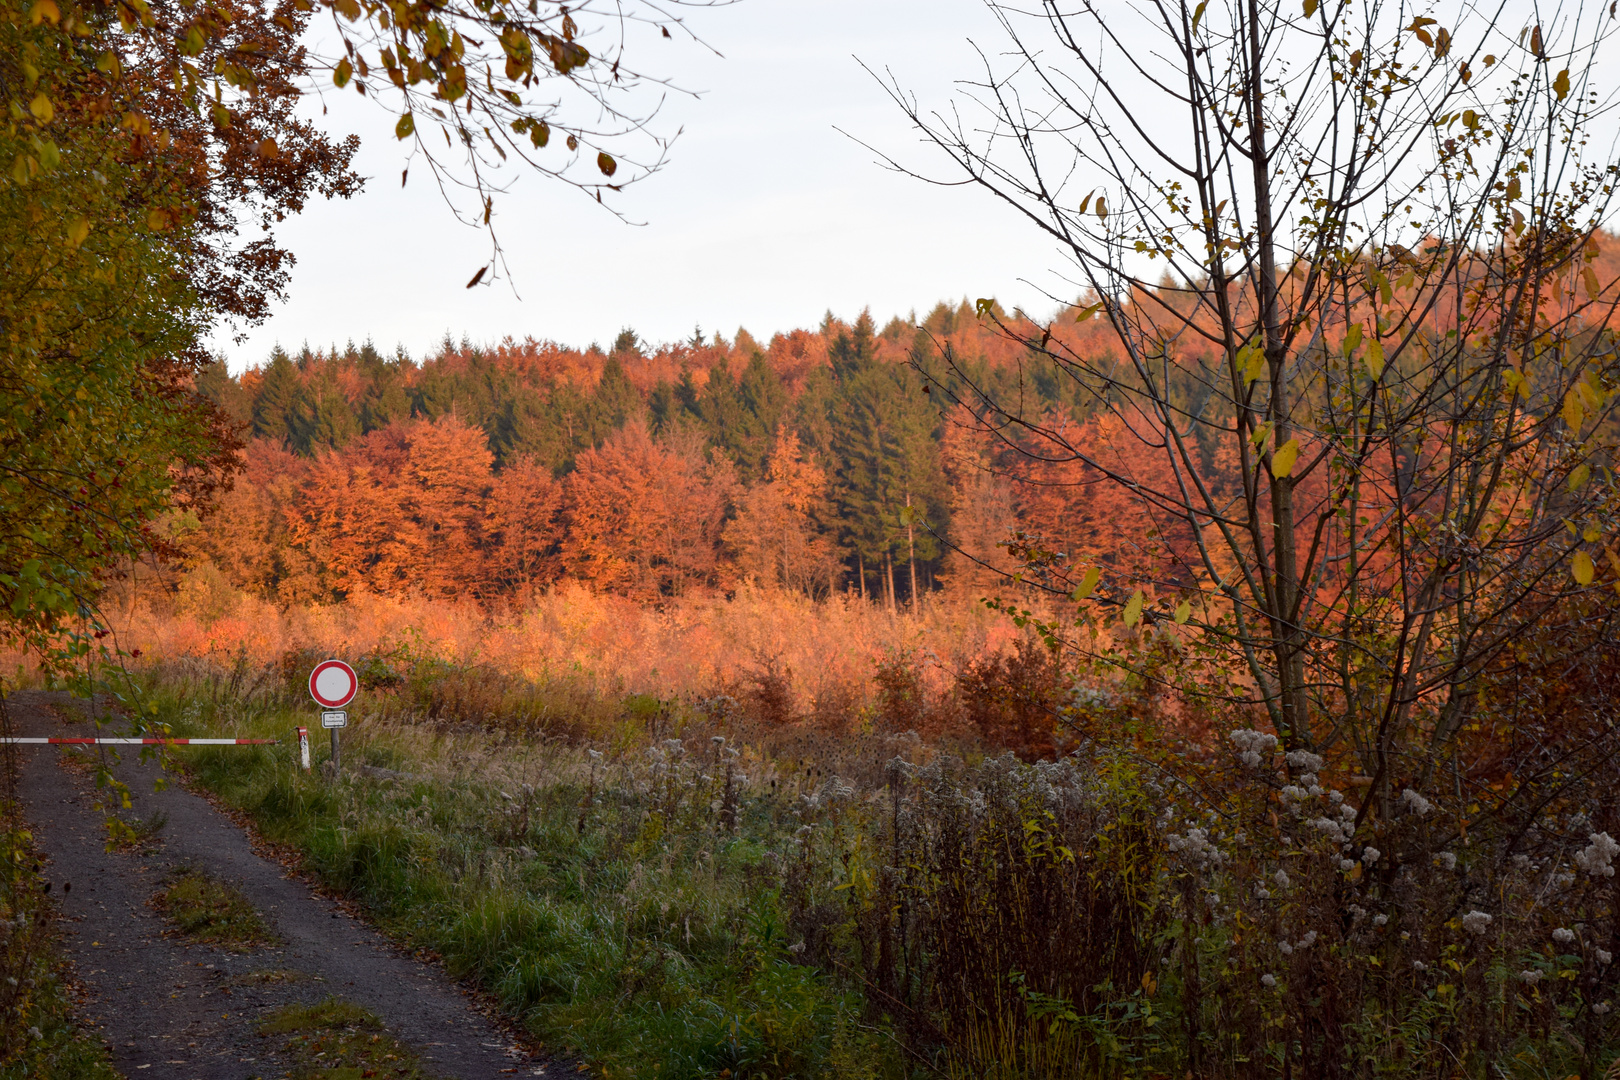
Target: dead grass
x=800, y=658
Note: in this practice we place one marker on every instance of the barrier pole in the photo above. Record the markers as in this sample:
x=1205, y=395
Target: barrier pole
x=303, y=747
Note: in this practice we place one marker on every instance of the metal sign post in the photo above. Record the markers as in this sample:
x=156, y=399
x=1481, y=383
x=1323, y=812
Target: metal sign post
x=333, y=685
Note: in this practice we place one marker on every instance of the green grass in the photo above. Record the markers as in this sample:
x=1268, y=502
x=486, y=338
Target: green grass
x=336, y=1039
x=636, y=927
x=206, y=909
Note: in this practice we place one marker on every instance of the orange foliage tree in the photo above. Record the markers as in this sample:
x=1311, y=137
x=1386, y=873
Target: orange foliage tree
x=776, y=535
x=644, y=516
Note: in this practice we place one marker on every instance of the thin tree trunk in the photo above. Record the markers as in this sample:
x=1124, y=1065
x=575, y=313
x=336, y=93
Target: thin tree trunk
x=911, y=556
x=888, y=579
x=860, y=566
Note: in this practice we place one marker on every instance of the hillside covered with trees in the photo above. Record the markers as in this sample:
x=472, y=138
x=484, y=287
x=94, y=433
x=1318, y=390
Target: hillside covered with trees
x=820, y=461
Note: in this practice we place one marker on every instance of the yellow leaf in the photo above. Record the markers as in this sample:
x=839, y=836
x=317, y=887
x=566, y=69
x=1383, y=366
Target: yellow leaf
x=1252, y=359
x=78, y=231
x=1590, y=397
x=1614, y=560
x=1589, y=278
x=44, y=9
x=1578, y=476
x=1183, y=611
x=1102, y=207
x=1582, y=568
x=406, y=125
x=1514, y=189
x=1375, y=358
x=1088, y=583
x=1133, y=608
x=342, y=73
x=1352, y=338
x=1561, y=84
x=1573, y=414
x=1088, y=312
x=1282, y=462
x=1310, y=8
x=42, y=108
x=1591, y=535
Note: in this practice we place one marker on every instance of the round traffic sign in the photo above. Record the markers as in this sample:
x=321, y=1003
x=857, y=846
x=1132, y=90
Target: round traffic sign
x=333, y=684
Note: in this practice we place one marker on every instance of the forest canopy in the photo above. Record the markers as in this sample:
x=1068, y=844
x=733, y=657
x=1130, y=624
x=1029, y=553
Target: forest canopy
x=819, y=461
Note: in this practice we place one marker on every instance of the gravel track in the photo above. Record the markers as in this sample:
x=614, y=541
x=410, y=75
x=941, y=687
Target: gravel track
x=188, y=1011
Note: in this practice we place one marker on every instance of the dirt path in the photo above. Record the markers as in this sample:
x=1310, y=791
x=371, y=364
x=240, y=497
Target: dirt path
x=188, y=1011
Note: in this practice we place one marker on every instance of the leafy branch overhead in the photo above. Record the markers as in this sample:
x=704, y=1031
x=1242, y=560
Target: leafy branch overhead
x=548, y=88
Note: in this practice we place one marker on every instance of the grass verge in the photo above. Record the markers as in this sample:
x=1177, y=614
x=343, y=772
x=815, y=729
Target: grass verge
x=336, y=1039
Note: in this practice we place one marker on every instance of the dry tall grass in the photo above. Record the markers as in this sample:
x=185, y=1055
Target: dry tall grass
x=799, y=658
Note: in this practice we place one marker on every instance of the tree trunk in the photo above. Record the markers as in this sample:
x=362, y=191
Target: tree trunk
x=911, y=556
x=860, y=570
x=888, y=579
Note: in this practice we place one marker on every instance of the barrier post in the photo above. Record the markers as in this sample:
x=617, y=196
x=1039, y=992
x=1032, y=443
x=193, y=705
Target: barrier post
x=303, y=747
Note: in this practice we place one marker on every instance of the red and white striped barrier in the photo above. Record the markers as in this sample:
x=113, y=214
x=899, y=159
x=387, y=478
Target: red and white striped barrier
x=145, y=742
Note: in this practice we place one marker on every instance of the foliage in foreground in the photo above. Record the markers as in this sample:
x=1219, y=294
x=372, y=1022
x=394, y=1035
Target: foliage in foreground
x=691, y=901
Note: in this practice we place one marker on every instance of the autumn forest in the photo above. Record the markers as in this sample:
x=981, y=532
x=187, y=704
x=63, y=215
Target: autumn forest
x=822, y=461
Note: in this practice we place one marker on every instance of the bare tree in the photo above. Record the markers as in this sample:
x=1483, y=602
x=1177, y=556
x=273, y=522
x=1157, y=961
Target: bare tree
x=1348, y=252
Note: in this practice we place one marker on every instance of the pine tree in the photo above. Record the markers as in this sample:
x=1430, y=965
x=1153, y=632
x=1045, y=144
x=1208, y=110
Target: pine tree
x=615, y=402
x=273, y=407
x=884, y=444
x=321, y=418
x=764, y=401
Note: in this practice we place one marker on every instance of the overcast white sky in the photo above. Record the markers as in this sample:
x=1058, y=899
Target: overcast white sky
x=766, y=217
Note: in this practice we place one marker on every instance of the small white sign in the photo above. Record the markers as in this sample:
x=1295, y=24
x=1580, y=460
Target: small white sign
x=331, y=718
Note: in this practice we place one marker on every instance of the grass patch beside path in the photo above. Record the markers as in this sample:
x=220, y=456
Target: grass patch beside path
x=631, y=912
x=336, y=1039
x=209, y=910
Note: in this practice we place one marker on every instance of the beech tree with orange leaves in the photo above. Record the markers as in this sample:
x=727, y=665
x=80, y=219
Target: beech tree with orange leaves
x=644, y=517
x=777, y=533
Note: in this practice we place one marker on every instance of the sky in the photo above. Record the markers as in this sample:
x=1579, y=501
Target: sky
x=769, y=213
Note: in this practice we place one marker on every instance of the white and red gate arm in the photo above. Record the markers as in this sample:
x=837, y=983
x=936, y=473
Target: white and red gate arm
x=333, y=684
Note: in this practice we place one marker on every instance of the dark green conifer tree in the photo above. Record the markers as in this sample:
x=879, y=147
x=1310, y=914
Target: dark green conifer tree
x=273, y=405
x=321, y=418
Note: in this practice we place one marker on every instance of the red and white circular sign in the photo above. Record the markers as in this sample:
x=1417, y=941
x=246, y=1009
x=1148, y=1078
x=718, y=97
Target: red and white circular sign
x=333, y=684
